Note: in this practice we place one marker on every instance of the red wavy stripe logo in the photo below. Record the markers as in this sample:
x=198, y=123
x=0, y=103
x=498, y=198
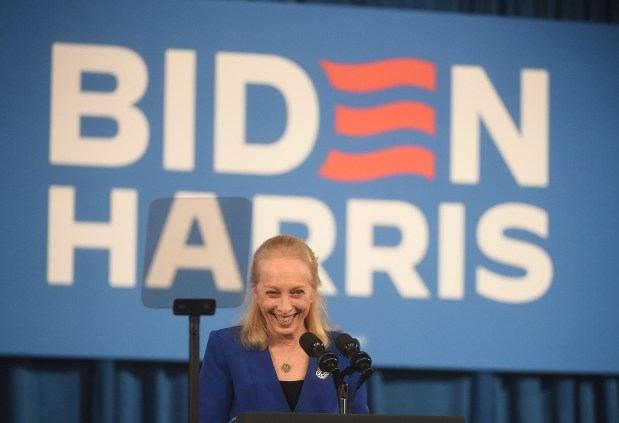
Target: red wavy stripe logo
x=381, y=75
x=401, y=115
x=347, y=167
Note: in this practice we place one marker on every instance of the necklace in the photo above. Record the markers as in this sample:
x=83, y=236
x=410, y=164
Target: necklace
x=284, y=367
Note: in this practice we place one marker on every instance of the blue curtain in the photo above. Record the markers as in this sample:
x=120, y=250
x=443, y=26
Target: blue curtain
x=600, y=11
x=71, y=391
x=95, y=391
x=484, y=397
x=76, y=391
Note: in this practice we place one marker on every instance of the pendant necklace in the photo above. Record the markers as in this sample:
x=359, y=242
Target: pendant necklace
x=285, y=367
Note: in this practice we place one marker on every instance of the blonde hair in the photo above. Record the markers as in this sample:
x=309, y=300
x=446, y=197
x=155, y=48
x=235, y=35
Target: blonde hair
x=253, y=333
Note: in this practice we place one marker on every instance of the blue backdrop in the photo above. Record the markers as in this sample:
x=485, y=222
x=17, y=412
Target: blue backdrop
x=107, y=390
x=455, y=174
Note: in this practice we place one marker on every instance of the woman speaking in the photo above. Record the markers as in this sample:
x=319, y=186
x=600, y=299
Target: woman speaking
x=259, y=366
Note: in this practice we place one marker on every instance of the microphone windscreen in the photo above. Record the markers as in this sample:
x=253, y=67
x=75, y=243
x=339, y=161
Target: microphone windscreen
x=311, y=344
x=346, y=344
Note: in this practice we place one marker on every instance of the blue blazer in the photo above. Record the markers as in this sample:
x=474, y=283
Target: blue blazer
x=234, y=379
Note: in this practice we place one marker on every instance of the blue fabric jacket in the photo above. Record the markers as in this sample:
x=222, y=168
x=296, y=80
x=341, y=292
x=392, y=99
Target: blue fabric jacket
x=234, y=379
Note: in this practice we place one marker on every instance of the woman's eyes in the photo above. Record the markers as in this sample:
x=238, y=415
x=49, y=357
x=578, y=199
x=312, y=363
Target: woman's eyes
x=294, y=293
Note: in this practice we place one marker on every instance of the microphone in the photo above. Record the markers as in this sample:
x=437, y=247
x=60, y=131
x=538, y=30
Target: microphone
x=313, y=346
x=327, y=362
x=359, y=360
x=349, y=347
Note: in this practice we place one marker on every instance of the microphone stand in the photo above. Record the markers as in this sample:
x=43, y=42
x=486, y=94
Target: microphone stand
x=194, y=308
x=342, y=397
x=342, y=387
x=328, y=362
x=342, y=391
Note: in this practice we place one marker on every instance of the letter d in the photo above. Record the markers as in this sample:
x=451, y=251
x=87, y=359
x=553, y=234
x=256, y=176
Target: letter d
x=233, y=154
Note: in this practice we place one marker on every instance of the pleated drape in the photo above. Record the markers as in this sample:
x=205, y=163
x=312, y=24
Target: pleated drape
x=78, y=391
x=95, y=391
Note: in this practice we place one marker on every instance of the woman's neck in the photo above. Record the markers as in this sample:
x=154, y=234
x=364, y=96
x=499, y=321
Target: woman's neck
x=285, y=343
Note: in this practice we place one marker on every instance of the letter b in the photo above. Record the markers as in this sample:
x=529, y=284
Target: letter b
x=69, y=104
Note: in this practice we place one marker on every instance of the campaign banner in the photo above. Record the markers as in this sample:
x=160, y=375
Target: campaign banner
x=455, y=175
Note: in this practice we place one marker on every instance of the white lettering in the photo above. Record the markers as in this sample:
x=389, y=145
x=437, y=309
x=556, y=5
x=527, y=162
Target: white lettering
x=364, y=258
x=232, y=152
x=179, y=110
x=535, y=262
x=475, y=101
x=69, y=104
x=451, y=251
x=215, y=253
x=65, y=235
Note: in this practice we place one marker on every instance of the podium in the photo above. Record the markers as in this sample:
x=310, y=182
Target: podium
x=341, y=418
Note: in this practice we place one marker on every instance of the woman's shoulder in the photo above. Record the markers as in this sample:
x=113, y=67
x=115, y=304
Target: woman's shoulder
x=227, y=335
x=232, y=330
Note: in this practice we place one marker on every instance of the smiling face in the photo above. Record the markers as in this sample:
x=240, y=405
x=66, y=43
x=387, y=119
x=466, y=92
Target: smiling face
x=284, y=296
